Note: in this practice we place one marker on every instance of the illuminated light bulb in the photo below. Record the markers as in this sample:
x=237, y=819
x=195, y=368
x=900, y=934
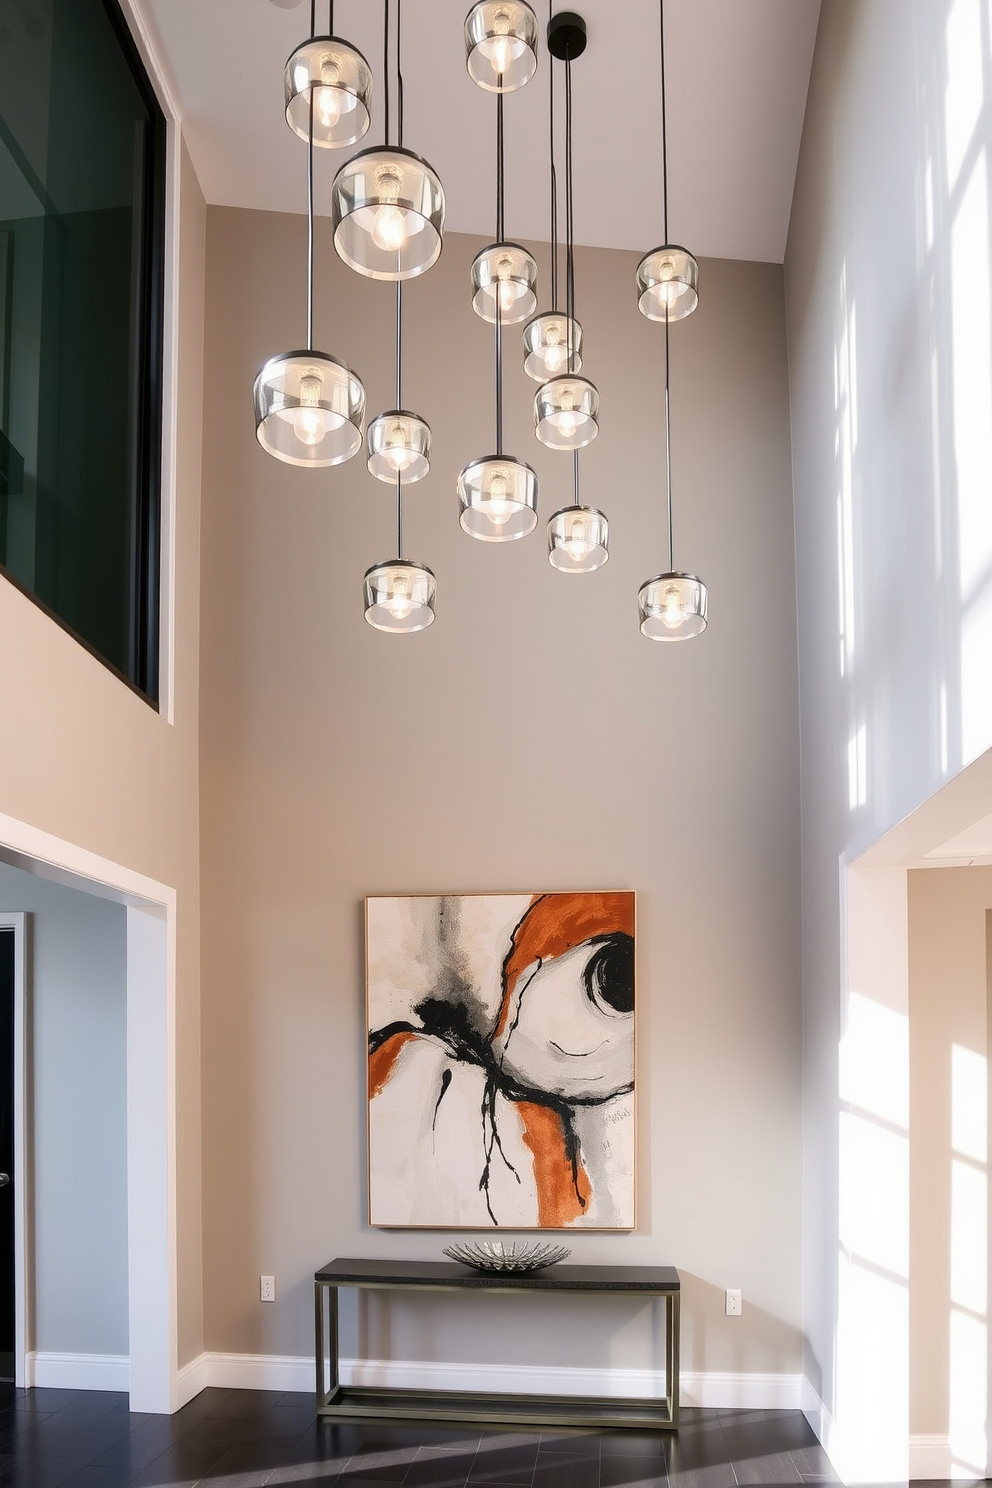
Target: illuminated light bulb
x=503, y=48
x=505, y=287
x=567, y=420
x=672, y=613
x=310, y=421
x=389, y=229
x=327, y=103
x=399, y=604
x=577, y=545
x=554, y=352
x=396, y=451
x=498, y=509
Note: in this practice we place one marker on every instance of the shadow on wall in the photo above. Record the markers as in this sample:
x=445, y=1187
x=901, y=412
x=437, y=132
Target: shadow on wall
x=767, y=1346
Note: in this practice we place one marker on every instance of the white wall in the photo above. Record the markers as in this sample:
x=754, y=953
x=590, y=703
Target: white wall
x=77, y=1117
x=532, y=738
x=890, y=338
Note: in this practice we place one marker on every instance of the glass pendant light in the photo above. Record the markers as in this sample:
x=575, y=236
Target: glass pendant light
x=501, y=44
x=547, y=340
x=497, y=494
x=399, y=594
x=667, y=277
x=578, y=536
x=335, y=78
x=309, y=406
x=673, y=604
x=566, y=407
x=387, y=209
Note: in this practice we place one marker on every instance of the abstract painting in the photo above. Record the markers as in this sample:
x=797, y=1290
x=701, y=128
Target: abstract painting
x=501, y=1060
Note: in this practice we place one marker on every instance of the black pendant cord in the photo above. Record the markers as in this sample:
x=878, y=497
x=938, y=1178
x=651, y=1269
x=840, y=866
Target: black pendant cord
x=668, y=454
x=575, y=478
x=399, y=516
x=310, y=228
x=499, y=169
x=499, y=374
x=399, y=344
x=664, y=116
x=313, y=19
x=385, y=67
x=569, y=224
x=399, y=79
x=554, y=174
x=330, y=17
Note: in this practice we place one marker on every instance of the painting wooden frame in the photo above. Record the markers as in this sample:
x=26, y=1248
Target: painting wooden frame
x=501, y=1060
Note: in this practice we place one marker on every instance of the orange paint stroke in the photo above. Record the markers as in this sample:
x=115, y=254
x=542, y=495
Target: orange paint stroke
x=556, y=923
x=562, y=1195
x=382, y=1061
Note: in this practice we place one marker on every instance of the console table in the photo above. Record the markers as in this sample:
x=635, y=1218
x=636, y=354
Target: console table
x=335, y=1399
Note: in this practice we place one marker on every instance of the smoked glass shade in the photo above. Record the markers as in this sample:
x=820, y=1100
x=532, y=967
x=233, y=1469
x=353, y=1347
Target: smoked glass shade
x=578, y=539
x=399, y=596
x=501, y=44
x=505, y=270
x=309, y=409
x=399, y=447
x=547, y=340
x=341, y=83
x=497, y=499
x=667, y=284
x=672, y=607
x=387, y=210
x=566, y=411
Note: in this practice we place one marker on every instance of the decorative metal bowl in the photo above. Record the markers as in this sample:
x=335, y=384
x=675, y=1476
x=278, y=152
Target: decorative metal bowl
x=493, y=1255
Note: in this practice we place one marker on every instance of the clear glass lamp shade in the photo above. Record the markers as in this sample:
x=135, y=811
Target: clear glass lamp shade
x=672, y=607
x=387, y=210
x=399, y=596
x=340, y=81
x=399, y=447
x=497, y=499
x=547, y=340
x=667, y=284
x=309, y=409
x=578, y=539
x=501, y=44
x=566, y=413
x=505, y=270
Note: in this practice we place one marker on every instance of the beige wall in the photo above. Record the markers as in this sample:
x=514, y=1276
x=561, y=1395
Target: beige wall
x=84, y=758
x=531, y=739
x=948, y=1019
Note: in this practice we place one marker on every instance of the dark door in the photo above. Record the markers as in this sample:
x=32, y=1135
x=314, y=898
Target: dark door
x=7, y=1174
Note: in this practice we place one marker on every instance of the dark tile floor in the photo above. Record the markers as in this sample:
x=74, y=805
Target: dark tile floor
x=249, y=1438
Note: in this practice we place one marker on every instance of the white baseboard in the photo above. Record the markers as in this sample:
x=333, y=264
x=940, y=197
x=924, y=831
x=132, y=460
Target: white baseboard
x=930, y=1457
x=290, y=1373
x=78, y=1371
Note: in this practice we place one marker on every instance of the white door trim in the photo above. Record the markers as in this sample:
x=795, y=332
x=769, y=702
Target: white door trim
x=151, y=1095
x=17, y=921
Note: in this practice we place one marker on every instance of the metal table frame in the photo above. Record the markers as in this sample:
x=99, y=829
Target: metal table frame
x=351, y=1402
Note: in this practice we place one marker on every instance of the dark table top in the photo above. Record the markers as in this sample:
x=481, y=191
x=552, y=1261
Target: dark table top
x=560, y=1278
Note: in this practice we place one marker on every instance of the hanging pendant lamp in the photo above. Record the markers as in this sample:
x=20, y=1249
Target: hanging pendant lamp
x=578, y=536
x=497, y=494
x=335, y=78
x=672, y=605
x=552, y=341
x=501, y=45
x=399, y=594
x=309, y=406
x=668, y=277
x=387, y=209
x=399, y=442
x=566, y=407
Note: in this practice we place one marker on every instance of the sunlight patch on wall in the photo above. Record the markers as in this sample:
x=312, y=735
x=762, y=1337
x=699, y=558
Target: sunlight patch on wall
x=873, y=1268
x=968, y=1394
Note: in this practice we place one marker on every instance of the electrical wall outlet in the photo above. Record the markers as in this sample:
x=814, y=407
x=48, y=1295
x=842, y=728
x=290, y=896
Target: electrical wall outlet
x=733, y=1301
x=267, y=1289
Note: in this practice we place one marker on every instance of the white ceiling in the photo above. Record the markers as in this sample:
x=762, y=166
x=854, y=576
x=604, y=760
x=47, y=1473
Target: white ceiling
x=737, y=73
